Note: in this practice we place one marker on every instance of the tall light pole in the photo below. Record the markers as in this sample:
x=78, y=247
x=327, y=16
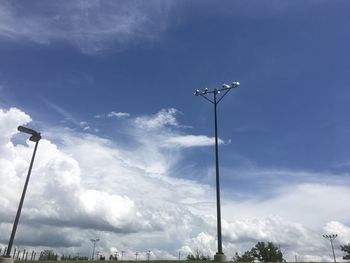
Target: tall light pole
x=331, y=238
x=148, y=254
x=215, y=93
x=35, y=137
x=94, y=245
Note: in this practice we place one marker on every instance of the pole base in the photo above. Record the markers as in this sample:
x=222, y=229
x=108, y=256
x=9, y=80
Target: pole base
x=220, y=257
x=6, y=260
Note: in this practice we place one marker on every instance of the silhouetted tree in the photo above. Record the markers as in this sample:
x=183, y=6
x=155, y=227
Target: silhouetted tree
x=267, y=252
x=47, y=255
x=199, y=256
x=346, y=249
x=246, y=257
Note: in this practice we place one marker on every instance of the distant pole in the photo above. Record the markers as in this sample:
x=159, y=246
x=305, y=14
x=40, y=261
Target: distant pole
x=215, y=101
x=331, y=238
x=94, y=245
x=122, y=255
x=136, y=254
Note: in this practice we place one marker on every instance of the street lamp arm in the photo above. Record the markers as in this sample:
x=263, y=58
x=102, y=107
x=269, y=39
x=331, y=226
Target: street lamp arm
x=223, y=96
x=203, y=96
x=35, y=136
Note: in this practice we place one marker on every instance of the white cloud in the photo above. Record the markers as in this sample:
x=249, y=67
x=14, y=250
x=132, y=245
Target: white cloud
x=10, y=120
x=64, y=113
x=191, y=141
x=118, y=114
x=132, y=199
x=91, y=26
x=289, y=201
x=166, y=117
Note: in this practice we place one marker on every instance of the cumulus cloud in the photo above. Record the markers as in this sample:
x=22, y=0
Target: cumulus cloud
x=91, y=26
x=132, y=199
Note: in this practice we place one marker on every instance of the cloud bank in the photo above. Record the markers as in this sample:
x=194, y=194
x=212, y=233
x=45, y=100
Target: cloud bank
x=130, y=197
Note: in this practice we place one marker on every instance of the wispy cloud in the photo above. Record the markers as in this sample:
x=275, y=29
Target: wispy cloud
x=191, y=141
x=166, y=117
x=91, y=26
x=118, y=114
x=68, y=117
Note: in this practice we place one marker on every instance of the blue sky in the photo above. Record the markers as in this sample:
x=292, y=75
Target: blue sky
x=70, y=65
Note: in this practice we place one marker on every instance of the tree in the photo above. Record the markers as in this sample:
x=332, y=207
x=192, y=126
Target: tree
x=47, y=255
x=346, y=249
x=246, y=257
x=267, y=253
x=199, y=256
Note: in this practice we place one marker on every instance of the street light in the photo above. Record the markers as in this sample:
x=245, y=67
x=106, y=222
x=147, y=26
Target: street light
x=93, y=250
x=331, y=238
x=148, y=252
x=219, y=256
x=35, y=137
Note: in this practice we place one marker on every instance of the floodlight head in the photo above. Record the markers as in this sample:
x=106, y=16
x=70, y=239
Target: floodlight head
x=225, y=86
x=206, y=90
x=235, y=84
x=26, y=130
x=197, y=92
x=35, y=136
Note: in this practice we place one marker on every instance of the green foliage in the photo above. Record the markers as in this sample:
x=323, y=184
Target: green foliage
x=246, y=257
x=346, y=249
x=69, y=258
x=267, y=253
x=47, y=255
x=198, y=257
x=264, y=252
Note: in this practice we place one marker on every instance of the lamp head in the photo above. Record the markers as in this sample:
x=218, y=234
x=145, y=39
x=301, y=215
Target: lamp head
x=35, y=136
x=235, y=84
x=197, y=92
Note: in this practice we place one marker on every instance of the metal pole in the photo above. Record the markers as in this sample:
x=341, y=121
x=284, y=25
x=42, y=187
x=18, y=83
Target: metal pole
x=93, y=250
x=333, y=250
x=331, y=238
x=9, y=247
x=225, y=89
x=218, y=207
